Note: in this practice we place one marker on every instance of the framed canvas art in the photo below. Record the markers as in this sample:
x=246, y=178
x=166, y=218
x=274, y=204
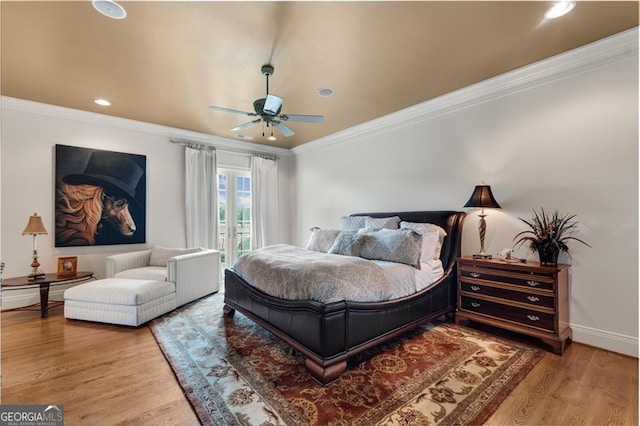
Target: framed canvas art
x=100, y=197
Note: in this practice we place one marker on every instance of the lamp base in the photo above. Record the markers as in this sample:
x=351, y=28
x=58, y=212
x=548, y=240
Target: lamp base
x=482, y=256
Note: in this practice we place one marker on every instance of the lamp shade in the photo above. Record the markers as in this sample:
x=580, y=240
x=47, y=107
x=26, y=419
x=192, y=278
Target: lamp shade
x=35, y=226
x=482, y=197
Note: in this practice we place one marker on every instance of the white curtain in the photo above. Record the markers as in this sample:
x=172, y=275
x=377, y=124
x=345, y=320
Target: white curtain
x=201, y=191
x=265, y=226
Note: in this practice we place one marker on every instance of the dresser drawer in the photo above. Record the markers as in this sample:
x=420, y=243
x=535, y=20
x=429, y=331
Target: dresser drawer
x=512, y=295
x=528, y=317
x=537, y=281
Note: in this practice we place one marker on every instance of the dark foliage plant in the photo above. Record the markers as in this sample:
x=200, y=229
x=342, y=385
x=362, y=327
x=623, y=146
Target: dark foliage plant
x=549, y=229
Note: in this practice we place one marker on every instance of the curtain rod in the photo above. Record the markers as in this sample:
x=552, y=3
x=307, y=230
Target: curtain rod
x=196, y=145
x=265, y=156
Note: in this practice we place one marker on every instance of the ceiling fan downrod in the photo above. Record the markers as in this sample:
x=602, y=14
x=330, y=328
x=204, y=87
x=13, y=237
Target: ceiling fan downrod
x=267, y=71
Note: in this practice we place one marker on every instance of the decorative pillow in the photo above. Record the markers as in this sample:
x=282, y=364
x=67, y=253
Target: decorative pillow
x=160, y=255
x=350, y=223
x=377, y=224
x=422, y=228
x=347, y=243
x=322, y=239
x=401, y=246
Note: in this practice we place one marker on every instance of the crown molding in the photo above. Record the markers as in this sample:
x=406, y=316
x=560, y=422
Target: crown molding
x=169, y=133
x=600, y=53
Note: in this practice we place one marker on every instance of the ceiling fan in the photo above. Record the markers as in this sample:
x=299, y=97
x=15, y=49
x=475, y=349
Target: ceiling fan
x=268, y=110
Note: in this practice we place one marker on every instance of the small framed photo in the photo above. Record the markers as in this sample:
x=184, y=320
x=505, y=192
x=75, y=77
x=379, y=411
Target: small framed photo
x=67, y=266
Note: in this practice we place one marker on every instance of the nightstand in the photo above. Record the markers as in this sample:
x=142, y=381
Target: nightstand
x=524, y=297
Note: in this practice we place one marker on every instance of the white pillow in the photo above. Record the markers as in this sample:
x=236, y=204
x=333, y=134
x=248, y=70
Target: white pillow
x=431, y=246
x=422, y=228
x=160, y=255
x=322, y=239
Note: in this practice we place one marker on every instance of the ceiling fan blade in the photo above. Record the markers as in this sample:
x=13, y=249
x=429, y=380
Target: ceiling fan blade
x=235, y=111
x=302, y=118
x=246, y=125
x=282, y=128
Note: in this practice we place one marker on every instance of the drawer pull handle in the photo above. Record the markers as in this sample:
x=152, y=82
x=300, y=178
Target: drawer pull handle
x=475, y=304
x=533, y=317
x=475, y=288
x=474, y=274
x=533, y=298
x=533, y=283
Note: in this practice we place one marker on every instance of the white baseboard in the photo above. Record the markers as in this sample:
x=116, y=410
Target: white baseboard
x=20, y=298
x=615, y=342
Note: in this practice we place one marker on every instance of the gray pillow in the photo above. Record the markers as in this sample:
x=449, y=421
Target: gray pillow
x=401, y=246
x=376, y=224
x=347, y=243
x=350, y=223
x=322, y=239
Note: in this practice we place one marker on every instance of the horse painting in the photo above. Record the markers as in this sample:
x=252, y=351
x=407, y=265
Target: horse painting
x=83, y=210
x=100, y=197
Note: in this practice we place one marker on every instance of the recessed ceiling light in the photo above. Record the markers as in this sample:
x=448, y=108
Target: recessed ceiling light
x=102, y=102
x=325, y=92
x=559, y=9
x=109, y=8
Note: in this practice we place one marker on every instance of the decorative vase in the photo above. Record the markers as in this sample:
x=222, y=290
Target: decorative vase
x=548, y=254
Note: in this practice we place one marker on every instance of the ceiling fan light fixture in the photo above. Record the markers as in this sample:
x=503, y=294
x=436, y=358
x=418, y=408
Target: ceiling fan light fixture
x=272, y=104
x=102, y=102
x=109, y=8
x=559, y=9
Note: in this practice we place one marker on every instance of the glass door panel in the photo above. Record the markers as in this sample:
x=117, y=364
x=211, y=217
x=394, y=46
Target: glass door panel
x=234, y=212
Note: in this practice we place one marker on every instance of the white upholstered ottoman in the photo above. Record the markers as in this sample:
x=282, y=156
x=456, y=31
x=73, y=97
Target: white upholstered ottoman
x=121, y=301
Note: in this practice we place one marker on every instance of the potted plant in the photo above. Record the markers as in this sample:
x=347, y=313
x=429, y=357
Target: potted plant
x=549, y=235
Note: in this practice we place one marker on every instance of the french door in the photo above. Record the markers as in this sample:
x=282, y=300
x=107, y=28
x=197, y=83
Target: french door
x=234, y=214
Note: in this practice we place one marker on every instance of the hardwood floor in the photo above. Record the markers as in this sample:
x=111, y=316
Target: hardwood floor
x=108, y=375
x=102, y=374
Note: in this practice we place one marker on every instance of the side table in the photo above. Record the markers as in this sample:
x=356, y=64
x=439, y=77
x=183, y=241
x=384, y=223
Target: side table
x=20, y=283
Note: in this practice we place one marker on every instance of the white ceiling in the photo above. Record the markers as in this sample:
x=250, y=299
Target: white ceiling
x=166, y=62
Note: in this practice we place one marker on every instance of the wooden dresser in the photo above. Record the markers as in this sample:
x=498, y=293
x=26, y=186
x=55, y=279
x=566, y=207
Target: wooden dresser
x=524, y=297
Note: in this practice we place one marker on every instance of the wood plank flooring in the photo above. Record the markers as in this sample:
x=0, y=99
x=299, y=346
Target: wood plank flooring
x=111, y=375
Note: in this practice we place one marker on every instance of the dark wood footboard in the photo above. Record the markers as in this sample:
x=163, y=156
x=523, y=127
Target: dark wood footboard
x=329, y=334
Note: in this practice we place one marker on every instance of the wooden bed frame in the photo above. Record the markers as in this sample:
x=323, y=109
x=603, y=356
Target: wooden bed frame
x=329, y=334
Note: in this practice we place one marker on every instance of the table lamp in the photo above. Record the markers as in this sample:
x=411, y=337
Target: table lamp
x=482, y=198
x=35, y=227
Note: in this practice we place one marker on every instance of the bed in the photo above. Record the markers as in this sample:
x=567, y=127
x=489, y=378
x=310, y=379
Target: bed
x=328, y=334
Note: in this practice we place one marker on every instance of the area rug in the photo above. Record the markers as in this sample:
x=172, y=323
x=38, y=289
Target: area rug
x=235, y=373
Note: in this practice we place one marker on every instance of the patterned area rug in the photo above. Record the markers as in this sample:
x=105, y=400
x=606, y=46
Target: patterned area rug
x=236, y=373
